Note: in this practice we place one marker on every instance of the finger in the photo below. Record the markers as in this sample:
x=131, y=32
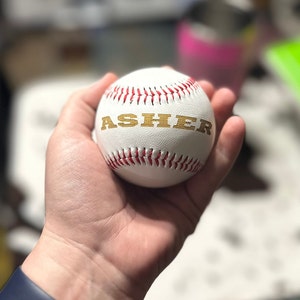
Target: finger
x=220, y=161
x=207, y=87
x=222, y=103
x=167, y=67
x=79, y=112
x=91, y=93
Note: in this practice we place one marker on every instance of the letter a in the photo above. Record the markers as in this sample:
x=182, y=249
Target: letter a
x=107, y=123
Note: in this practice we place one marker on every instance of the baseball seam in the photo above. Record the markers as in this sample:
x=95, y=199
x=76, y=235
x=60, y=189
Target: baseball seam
x=135, y=156
x=142, y=95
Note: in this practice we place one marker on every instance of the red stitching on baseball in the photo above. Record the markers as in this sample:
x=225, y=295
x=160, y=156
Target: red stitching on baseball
x=141, y=156
x=159, y=93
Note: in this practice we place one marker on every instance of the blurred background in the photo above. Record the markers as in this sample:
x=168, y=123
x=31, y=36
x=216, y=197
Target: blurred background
x=247, y=244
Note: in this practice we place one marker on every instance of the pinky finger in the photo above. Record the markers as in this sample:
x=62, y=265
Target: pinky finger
x=226, y=151
x=221, y=160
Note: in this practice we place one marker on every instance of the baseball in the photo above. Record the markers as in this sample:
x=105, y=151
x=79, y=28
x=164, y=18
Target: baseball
x=155, y=127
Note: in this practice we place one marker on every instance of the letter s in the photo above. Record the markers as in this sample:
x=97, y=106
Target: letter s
x=127, y=120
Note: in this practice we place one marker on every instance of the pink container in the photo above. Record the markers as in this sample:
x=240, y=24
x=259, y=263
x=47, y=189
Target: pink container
x=223, y=60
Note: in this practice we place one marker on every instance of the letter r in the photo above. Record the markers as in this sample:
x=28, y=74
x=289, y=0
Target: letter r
x=205, y=127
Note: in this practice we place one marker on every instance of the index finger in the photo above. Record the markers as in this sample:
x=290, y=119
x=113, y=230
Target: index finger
x=79, y=111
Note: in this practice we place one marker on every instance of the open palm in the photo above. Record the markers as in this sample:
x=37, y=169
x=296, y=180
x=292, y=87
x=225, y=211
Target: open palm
x=126, y=232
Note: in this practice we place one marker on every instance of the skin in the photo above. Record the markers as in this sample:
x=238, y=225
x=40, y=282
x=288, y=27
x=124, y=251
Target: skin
x=104, y=238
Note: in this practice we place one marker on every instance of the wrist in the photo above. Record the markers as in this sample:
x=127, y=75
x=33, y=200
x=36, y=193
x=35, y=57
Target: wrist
x=68, y=271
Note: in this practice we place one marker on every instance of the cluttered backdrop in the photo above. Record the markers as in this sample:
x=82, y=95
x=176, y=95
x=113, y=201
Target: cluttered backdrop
x=247, y=243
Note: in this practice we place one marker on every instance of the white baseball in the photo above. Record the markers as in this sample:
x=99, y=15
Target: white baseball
x=155, y=127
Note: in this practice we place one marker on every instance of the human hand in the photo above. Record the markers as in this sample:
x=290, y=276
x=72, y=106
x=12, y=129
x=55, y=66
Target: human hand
x=107, y=239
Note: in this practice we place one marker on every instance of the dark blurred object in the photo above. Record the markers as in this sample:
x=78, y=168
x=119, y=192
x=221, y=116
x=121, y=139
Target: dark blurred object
x=261, y=4
x=216, y=41
x=242, y=178
x=5, y=102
